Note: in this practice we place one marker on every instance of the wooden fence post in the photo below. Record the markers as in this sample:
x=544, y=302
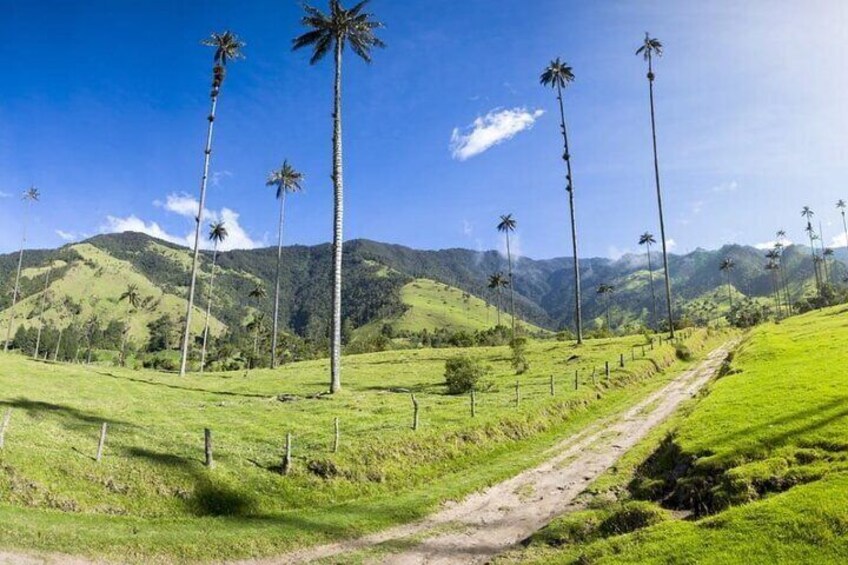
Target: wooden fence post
x=517, y=397
x=287, y=460
x=3, y=425
x=632, y=354
x=621, y=359
x=101, y=443
x=652, y=344
x=207, y=441
x=473, y=404
x=414, y=412
x=575, y=379
x=552, y=386
x=606, y=369
x=336, y=434
x=643, y=351
x=594, y=374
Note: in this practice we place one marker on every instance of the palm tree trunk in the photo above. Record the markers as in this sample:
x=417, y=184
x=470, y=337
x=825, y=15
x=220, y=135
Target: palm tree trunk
x=499, y=305
x=653, y=293
x=845, y=227
x=815, y=263
x=207, y=154
x=609, y=320
x=58, y=345
x=41, y=312
x=208, y=308
x=338, y=217
x=659, y=199
x=511, y=284
x=17, y=282
x=124, y=338
x=277, y=287
x=578, y=310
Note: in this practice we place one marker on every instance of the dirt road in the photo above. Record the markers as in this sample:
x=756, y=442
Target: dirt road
x=490, y=522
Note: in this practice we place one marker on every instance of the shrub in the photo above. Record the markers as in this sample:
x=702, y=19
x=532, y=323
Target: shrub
x=463, y=374
x=631, y=517
x=519, y=355
x=683, y=353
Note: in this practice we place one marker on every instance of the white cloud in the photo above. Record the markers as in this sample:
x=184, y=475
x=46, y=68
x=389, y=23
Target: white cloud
x=4, y=194
x=670, y=244
x=770, y=244
x=186, y=206
x=467, y=228
x=67, y=236
x=218, y=176
x=487, y=131
x=726, y=187
x=838, y=241
x=615, y=253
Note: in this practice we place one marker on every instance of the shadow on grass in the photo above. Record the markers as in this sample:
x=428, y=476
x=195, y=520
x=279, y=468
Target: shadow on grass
x=38, y=407
x=187, y=388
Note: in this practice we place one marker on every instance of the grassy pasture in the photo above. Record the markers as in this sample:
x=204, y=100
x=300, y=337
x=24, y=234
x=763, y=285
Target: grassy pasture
x=764, y=459
x=152, y=499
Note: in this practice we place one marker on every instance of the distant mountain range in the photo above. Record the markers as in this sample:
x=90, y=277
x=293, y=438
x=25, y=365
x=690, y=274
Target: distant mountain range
x=380, y=283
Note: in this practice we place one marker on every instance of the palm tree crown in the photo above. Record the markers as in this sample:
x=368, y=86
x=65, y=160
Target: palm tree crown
x=31, y=195
x=650, y=47
x=807, y=212
x=228, y=47
x=497, y=280
x=286, y=179
x=257, y=292
x=340, y=26
x=218, y=232
x=647, y=238
x=841, y=204
x=131, y=295
x=557, y=74
x=727, y=264
x=507, y=223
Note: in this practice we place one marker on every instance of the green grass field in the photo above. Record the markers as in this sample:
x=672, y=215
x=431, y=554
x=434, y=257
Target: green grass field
x=152, y=499
x=760, y=466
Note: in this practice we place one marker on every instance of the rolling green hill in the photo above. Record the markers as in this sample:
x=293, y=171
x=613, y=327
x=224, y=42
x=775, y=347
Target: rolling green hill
x=384, y=284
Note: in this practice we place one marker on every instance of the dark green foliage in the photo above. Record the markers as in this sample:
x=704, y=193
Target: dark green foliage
x=463, y=374
x=519, y=355
x=682, y=352
x=163, y=334
x=748, y=313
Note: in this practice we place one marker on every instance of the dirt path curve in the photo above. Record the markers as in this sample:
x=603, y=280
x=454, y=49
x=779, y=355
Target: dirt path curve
x=492, y=521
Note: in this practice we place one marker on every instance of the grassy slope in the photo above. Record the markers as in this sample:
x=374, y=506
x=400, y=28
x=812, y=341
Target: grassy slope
x=435, y=305
x=773, y=439
x=100, y=275
x=152, y=498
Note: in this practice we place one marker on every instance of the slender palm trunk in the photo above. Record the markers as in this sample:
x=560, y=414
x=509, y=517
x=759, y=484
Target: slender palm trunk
x=653, y=293
x=41, y=313
x=208, y=308
x=499, y=305
x=845, y=227
x=815, y=263
x=277, y=287
x=124, y=339
x=511, y=283
x=338, y=217
x=569, y=180
x=825, y=273
x=58, y=345
x=729, y=290
x=659, y=199
x=11, y=310
x=609, y=319
x=207, y=154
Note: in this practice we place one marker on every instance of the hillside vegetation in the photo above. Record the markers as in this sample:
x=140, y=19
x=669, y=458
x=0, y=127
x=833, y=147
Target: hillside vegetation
x=379, y=284
x=151, y=498
x=759, y=466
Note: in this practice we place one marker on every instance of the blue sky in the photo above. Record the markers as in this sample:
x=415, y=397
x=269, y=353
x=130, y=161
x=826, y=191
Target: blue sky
x=103, y=106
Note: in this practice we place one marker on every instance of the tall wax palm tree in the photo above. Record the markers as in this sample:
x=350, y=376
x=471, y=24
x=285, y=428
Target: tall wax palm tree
x=217, y=234
x=726, y=266
x=132, y=296
x=840, y=205
x=779, y=247
x=41, y=300
x=558, y=75
x=228, y=47
x=606, y=291
x=652, y=47
x=287, y=180
x=496, y=283
x=827, y=253
x=507, y=225
x=647, y=239
x=30, y=197
x=332, y=31
x=808, y=214
x=257, y=293
x=772, y=267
